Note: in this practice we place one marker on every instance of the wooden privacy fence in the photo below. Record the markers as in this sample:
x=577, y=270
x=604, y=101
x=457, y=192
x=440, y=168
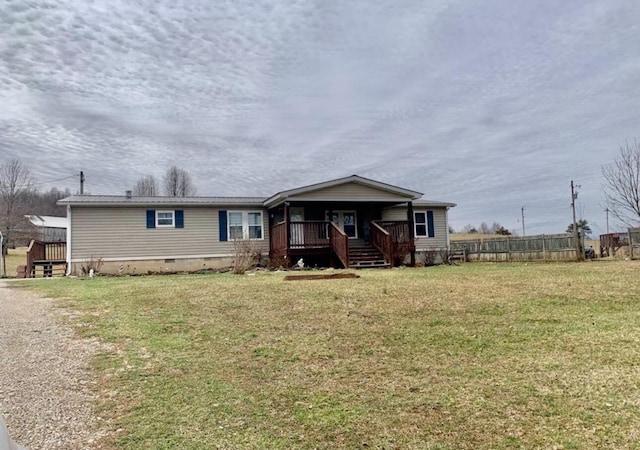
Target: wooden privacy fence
x=542, y=247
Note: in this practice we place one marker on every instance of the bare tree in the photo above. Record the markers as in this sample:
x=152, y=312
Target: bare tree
x=146, y=187
x=622, y=184
x=44, y=203
x=178, y=183
x=468, y=229
x=15, y=186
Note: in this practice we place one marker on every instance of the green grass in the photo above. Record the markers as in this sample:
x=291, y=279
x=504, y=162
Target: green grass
x=16, y=257
x=479, y=356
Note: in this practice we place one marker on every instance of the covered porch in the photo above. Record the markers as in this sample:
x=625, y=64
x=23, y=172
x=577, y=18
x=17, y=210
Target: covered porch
x=351, y=222
x=348, y=234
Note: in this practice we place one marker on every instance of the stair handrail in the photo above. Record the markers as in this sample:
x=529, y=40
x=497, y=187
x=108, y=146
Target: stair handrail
x=381, y=239
x=35, y=252
x=339, y=242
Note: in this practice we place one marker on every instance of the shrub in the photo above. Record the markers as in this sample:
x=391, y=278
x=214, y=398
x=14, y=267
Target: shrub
x=246, y=255
x=89, y=264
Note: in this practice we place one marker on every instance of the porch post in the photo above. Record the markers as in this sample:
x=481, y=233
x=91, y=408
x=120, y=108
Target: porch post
x=332, y=256
x=411, y=234
x=287, y=231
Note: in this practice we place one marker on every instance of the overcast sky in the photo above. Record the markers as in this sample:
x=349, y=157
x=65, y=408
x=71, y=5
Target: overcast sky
x=493, y=105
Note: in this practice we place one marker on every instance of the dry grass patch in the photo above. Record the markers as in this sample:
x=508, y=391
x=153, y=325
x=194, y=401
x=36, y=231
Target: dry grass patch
x=474, y=356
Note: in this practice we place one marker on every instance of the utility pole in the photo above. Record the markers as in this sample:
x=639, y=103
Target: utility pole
x=81, y=182
x=607, y=211
x=574, y=197
x=522, y=212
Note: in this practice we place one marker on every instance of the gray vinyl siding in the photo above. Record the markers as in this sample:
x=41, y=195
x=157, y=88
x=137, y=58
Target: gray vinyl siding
x=440, y=231
x=395, y=213
x=350, y=192
x=121, y=232
x=439, y=224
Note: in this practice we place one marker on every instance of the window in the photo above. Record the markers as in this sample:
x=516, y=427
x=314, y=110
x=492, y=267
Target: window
x=235, y=225
x=255, y=225
x=164, y=219
x=423, y=224
x=245, y=225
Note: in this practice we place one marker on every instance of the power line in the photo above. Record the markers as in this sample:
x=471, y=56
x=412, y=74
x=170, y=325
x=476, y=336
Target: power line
x=56, y=180
x=47, y=182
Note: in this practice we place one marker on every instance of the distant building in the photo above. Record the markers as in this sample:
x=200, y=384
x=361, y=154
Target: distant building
x=49, y=228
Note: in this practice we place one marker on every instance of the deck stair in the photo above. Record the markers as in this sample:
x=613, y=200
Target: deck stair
x=363, y=255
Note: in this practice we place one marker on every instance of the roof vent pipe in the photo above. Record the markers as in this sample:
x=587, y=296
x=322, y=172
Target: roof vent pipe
x=128, y=193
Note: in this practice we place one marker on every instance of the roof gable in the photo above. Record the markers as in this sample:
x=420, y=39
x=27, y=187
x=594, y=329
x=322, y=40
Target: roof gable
x=354, y=188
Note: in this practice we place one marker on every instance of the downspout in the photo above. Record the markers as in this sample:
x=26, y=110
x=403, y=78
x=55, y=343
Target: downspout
x=68, y=256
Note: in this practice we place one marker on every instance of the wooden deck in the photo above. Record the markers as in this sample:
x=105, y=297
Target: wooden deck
x=46, y=259
x=323, y=238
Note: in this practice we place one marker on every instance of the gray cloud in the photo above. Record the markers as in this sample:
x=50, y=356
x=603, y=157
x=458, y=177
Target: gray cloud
x=493, y=106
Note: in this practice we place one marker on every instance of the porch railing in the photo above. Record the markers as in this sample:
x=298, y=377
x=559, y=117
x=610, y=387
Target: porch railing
x=45, y=254
x=382, y=240
x=308, y=234
x=278, y=240
x=398, y=229
x=339, y=242
x=391, y=238
x=401, y=242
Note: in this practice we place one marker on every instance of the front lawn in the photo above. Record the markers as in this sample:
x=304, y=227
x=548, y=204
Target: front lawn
x=478, y=356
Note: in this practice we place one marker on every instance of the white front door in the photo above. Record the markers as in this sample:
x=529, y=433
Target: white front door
x=347, y=222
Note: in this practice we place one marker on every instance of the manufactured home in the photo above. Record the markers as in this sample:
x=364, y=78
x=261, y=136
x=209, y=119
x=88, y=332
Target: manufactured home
x=350, y=222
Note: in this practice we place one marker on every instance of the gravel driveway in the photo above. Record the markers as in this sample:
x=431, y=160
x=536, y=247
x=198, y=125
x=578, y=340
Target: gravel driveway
x=46, y=383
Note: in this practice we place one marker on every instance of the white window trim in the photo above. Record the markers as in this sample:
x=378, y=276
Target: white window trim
x=245, y=224
x=173, y=219
x=426, y=225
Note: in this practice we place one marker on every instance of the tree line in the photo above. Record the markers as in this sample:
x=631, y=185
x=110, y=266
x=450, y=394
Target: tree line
x=484, y=228
x=19, y=196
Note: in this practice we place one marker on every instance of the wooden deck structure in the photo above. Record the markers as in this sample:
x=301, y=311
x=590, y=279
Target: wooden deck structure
x=46, y=259
x=612, y=242
x=388, y=245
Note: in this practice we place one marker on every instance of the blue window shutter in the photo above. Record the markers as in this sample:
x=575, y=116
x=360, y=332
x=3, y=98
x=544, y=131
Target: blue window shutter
x=431, y=229
x=222, y=221
x=179, y=218
x=151, y=218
